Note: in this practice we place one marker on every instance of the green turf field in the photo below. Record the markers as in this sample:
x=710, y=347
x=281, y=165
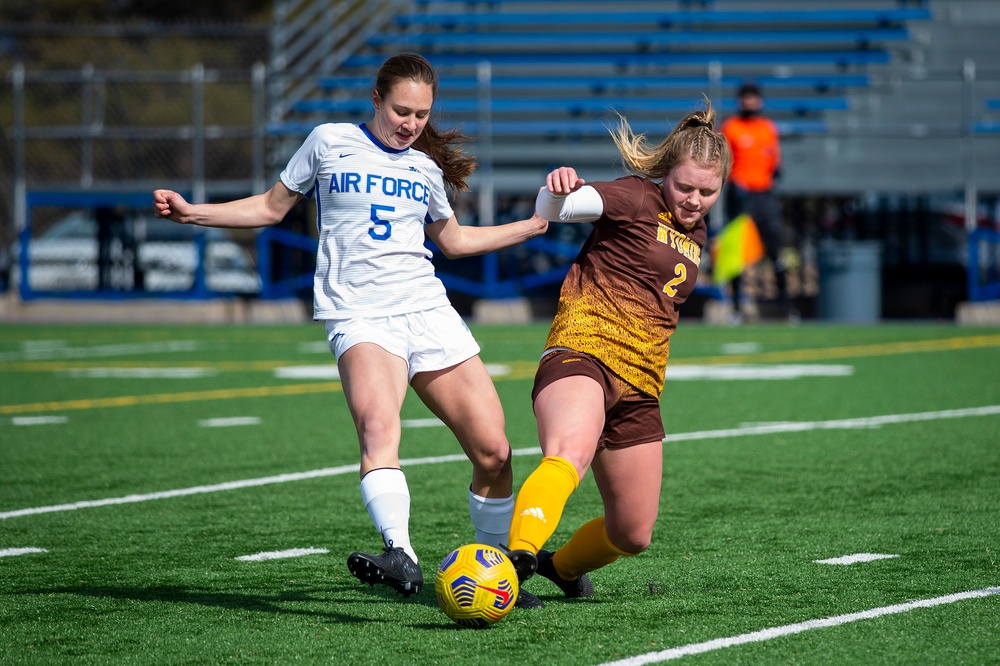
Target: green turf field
x=139, y=464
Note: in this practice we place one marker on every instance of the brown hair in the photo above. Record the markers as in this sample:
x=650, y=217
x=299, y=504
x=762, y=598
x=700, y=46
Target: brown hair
x=444, y=147
x=693, y=137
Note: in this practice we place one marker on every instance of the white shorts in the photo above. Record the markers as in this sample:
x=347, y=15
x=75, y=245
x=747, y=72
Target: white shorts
x=428, y=340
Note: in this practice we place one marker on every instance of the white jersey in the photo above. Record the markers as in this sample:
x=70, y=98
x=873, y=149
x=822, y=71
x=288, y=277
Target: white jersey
x=372, y=202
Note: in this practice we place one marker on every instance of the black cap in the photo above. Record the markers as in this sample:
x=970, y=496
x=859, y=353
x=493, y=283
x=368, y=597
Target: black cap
x=749, y=89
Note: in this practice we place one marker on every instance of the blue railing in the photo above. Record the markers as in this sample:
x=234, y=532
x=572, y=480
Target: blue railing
x=74, y=266
x=983, y=276
x=486, y=279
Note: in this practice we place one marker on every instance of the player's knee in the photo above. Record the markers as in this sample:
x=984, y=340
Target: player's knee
x=492, y=461
x=633, y=540
x=636, y=546
x=377, y=433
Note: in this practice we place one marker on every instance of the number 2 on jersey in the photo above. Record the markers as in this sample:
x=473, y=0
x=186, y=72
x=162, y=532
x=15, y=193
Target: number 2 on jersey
x=386, y=231
x=670, y=288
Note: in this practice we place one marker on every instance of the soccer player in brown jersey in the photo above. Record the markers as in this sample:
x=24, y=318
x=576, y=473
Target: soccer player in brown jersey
x=597, y=388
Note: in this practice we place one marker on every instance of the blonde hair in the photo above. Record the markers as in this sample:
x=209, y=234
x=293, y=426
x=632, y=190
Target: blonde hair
x=444, y=147
x=694, y=137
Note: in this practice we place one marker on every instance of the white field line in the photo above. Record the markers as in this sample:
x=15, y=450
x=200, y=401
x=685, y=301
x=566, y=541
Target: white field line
x=14, y=552
x=38, y=420
x=423, y=423
x=856, y=558
x=840, y=424
x=789, y=629
x=229, y=421
x=57, y=350
x=764, y=429
x=142, y=373
x=282, y=554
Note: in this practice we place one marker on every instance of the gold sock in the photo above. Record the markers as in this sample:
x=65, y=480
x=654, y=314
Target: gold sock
x=588, y=549
x=540, y=502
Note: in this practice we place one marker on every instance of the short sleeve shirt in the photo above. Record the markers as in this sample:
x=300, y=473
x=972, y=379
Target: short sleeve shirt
x=619, y=301
x=372, y=203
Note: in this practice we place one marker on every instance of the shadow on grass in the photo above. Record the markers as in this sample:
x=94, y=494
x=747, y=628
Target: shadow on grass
x=280, y=603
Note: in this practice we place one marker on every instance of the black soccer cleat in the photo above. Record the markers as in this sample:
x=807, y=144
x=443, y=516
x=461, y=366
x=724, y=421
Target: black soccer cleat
x=527, y=600
x=393, y=568
x=525, y=562
x=579, y=587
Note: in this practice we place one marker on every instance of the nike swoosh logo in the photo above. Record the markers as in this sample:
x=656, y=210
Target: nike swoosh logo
x=346, y=154
x=503, y=594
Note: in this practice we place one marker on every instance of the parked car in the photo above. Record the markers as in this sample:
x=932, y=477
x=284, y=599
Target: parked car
x=142, y=254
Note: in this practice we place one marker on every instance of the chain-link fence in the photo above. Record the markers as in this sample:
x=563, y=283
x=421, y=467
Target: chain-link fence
x=124, y=110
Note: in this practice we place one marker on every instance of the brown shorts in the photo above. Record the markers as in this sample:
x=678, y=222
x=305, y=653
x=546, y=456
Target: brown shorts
x=630, y=416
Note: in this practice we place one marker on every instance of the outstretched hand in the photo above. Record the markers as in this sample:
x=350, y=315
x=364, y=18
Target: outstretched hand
x=563, y=181
x=170, y=205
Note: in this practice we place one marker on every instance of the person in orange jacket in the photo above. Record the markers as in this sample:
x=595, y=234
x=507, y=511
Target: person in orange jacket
x=754, y=141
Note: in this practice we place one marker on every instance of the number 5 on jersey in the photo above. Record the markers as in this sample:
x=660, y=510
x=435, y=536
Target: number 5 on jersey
x=385, y=231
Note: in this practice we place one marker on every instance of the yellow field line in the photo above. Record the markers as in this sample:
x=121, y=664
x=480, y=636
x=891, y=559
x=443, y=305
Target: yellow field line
x=164, y=398
x=519, y=370
x=62, y=366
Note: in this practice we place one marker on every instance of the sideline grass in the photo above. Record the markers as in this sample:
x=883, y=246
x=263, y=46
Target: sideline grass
x=743, y=516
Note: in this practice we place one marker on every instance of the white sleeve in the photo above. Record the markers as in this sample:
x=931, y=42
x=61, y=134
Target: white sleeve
x=300, y=173
x=584, y=205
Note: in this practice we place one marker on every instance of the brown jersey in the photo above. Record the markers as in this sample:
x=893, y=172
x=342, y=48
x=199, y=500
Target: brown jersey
x=619, y=301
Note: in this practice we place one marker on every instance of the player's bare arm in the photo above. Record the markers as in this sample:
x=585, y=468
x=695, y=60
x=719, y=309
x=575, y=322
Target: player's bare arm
x=457, y=241
x=260, y=210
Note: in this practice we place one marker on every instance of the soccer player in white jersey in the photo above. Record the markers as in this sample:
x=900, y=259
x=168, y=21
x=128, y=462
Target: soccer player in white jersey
x=379, y=188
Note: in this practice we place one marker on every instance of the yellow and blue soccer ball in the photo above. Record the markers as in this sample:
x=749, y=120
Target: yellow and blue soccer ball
x=476, y=585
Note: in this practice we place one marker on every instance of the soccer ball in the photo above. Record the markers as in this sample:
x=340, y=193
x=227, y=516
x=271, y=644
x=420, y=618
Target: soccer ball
x=476, y=585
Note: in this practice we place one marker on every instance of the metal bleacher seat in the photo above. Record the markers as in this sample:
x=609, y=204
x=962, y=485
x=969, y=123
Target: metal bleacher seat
x=988, y=126
x=552, y=63
x=667, y=19
x=576, y=106
x=446, y=40
x=625, y=59
x=818, y=35
x=624, y=84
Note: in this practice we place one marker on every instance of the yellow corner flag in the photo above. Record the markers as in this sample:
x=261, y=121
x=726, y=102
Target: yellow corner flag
x=735, y=248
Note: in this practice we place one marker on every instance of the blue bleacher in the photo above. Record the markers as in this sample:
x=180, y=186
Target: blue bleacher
x=482, y=42
x=577, y=65
x=620, y=59
x=572, y=128
x=798, y=17
x=575, y=106
x=493, y=5
x=988, y=126
x=600, y=84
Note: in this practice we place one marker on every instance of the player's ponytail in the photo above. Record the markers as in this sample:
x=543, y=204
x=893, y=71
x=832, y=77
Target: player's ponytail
x=693, y=137
x=445, y=148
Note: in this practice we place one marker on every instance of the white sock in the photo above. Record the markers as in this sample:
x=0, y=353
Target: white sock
x=387, y=499
x=491, y=517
